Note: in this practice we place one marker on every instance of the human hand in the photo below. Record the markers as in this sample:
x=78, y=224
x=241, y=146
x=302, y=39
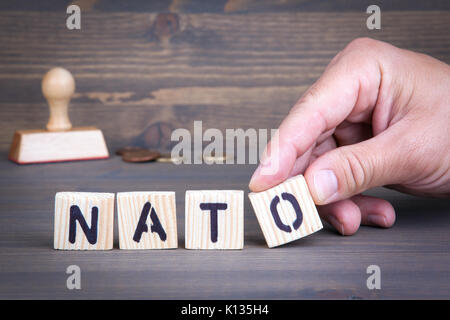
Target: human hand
x=378, y=116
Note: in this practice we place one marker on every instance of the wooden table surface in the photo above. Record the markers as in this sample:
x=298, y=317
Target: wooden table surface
x=413, y=256
x=144, y=68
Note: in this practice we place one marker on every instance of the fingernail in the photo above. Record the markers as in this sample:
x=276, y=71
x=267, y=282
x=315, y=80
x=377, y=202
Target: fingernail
x=269, y=166
x=325, y=184
x=377, y=220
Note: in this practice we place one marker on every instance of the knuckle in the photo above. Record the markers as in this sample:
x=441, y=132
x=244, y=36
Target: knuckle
x=362, y=52
x=356, y=171
x=361, y=44
x=312, y=95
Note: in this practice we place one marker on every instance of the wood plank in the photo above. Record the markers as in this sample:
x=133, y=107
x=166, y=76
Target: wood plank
x=241, y=6
x=323, y=265
x=138, y=83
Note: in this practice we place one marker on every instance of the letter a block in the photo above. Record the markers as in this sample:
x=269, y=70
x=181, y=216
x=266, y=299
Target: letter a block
x=84, y=221
x=214, y=219
x=147, y=220
x=286, y=212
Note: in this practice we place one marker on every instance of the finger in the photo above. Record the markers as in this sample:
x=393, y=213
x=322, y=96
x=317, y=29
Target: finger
x=304, y=161
x=375, y=211
x=350, y=170
x=348, y=88
x=344, y=216
x=324, y=147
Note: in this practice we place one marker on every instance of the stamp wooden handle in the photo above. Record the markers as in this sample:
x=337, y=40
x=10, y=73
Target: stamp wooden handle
x=58, y=87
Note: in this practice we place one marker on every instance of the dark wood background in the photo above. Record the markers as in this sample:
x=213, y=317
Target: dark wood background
x=157, y=66
x=144, y=68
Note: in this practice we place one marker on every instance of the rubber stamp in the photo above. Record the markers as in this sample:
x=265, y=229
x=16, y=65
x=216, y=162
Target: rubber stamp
x=59, y=142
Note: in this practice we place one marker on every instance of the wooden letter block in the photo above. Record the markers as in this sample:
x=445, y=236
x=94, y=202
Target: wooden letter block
x=286, y=212
x=214, y=219
x=84, y=221
x=147, y=220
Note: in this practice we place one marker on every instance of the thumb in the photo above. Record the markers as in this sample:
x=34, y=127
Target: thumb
x=350, y=170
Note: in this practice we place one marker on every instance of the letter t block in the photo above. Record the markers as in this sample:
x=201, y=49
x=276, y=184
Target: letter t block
x=286, y=212
x=214, y=219
x=84, y=221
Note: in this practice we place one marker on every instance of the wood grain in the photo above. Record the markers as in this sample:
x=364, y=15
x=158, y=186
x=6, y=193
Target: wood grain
x=129, y=210
x=140, y=73
x=413, y=255
x=310, y=220
x=85, y=201
x=229, y=220
x=242, y=6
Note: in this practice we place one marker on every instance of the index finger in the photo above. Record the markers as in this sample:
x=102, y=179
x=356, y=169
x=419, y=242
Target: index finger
x=348, y=87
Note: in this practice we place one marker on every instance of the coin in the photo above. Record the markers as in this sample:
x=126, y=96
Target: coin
x=168, y=158
x=121, y=151
x=140, y=156
x=216, y=159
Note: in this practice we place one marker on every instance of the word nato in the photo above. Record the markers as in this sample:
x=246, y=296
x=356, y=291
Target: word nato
x=214, y=219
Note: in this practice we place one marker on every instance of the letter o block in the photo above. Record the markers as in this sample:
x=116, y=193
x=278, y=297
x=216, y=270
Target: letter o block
x=84, y=221
x=214, y=219
x=147, y=220
x=286, y=212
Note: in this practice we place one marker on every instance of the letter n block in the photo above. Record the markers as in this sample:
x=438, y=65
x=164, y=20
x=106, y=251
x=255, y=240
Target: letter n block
x=214, y=219
x=286, y=212
x=84, y=221
x=147, y=220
